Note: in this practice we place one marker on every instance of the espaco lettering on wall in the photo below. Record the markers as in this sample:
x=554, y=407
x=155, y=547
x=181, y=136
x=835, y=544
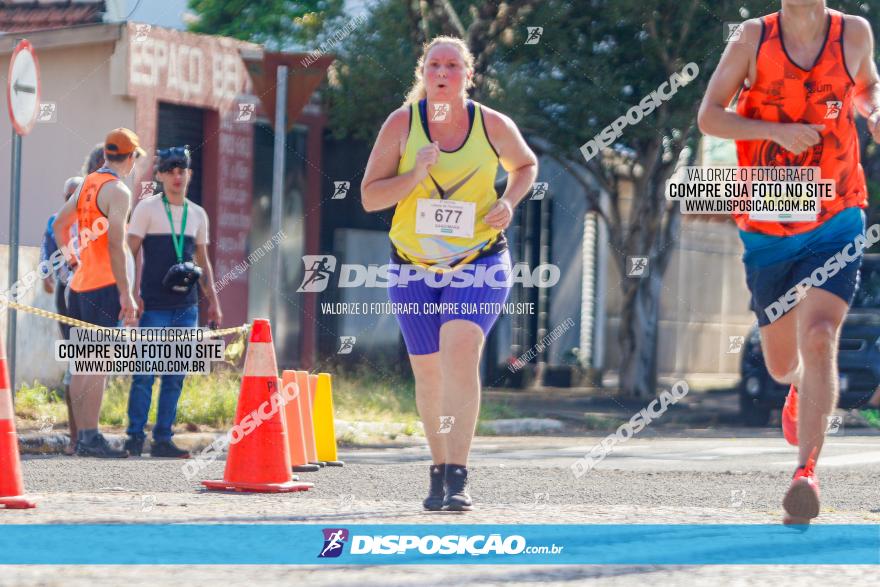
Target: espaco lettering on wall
x=199, y=69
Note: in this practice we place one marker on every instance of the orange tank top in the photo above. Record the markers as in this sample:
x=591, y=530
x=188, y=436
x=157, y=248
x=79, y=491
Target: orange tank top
x=785, y=92
x=94, y=270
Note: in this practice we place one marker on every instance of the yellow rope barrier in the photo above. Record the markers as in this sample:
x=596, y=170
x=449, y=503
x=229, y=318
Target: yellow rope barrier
x=80, y=324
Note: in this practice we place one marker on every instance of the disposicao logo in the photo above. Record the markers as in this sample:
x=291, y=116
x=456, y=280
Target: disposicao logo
x=318, y=269
x=443, y=545
x=334, y=541
x=409, y=546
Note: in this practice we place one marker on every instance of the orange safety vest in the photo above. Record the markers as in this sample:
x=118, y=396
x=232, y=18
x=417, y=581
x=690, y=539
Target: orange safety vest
x=94, y=270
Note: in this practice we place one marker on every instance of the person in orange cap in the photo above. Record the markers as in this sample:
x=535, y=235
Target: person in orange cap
x=100, y=290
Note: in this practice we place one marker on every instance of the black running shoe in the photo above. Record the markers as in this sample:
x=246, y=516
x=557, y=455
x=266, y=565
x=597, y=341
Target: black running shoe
x=134, y=445
x=457, y=498
x=99, y=448
x=434, y=501
x=166, y=449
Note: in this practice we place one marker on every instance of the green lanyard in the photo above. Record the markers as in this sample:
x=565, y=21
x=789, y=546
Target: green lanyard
x=178, y=242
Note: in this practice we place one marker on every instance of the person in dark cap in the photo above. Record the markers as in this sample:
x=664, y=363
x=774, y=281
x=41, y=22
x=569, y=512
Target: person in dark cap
x=173, y=232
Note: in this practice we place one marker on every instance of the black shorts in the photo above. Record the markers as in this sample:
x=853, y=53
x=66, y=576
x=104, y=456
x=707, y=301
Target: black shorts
x=96, y=306
x=773, y=287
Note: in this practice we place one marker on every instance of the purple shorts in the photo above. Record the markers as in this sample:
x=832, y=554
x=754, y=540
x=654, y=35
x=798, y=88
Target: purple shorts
x=424, y=301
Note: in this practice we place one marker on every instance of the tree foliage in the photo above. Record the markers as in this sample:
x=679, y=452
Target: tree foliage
x=278, y=24
x=594, y=61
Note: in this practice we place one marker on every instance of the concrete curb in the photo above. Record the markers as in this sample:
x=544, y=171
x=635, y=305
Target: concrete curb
x=522, y=426
x=36, y=443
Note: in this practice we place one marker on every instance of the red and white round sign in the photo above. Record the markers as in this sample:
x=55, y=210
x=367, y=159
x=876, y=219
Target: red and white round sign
x=23, y=88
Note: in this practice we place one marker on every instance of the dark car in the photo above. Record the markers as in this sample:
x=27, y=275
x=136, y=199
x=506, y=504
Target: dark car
x=858, y=362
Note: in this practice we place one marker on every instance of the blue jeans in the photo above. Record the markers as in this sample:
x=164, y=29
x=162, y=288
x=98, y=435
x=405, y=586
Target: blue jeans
x=141, y=394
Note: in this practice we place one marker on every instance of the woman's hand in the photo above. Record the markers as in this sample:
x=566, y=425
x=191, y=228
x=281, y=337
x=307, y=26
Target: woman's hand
x=425, y=158
x=500, y=215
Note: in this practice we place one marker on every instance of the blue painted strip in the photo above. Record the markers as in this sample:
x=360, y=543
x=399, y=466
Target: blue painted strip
x=253, y=544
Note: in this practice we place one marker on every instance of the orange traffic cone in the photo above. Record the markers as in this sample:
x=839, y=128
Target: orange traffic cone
x=11, y=485
x=259, y=455
x=305, y=383
x=295, y=433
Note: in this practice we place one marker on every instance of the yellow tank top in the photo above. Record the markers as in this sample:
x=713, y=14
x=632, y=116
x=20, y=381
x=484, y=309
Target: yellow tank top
x=466, y=174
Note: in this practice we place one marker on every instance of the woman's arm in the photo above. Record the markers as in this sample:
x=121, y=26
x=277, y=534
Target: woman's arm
x=381, y=187
x=516, y=158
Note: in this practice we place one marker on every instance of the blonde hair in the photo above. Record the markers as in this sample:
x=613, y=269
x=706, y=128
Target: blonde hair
x=417, y=91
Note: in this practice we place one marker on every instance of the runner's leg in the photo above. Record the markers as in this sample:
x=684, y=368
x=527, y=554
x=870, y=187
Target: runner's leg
x=428, y=376
x=421, y=332
x=779, y=343
x=461, y=343
x=820, y=316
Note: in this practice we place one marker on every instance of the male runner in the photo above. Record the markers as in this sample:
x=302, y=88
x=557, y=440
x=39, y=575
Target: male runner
x=804, y=73
x=100, y=291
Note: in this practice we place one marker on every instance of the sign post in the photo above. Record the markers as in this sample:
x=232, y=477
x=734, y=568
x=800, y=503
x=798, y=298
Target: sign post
x=280, y=152
x=23, y=98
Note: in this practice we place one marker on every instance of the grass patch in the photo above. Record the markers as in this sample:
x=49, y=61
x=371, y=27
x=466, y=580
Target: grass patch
x=362, y=395
x=496, y=410
x=38, y=402
x=600, y=422
x=365, y=396
x=207, y=400
x=210, y=400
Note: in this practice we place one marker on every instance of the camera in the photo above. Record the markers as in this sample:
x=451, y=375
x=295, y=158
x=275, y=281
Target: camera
x=181, y=277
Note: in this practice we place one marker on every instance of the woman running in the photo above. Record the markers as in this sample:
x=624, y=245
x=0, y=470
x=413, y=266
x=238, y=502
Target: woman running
x=436, y=159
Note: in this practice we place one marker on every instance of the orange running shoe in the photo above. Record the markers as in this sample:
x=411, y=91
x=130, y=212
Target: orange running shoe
x=801, y=503
x=789, y=417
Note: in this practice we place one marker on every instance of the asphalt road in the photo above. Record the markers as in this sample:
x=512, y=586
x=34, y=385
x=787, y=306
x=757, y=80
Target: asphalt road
x=735, y=476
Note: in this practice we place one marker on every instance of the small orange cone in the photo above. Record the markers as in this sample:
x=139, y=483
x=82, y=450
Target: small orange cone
x=11, y=485
x=259, y=455
x=295, y=434
x=308, y=415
